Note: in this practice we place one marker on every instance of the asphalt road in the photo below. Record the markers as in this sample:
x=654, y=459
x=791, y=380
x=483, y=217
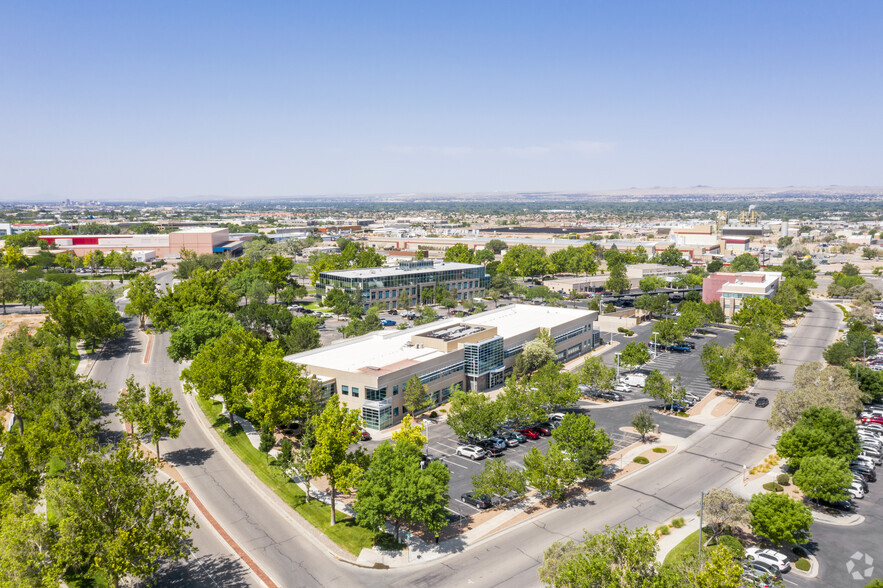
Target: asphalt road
x=293, y=557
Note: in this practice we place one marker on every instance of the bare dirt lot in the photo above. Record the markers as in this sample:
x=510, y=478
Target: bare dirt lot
x=12, y=321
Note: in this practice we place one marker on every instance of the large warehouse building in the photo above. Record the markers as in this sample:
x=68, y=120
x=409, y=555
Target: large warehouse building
x=169, y=245
x=369, y=373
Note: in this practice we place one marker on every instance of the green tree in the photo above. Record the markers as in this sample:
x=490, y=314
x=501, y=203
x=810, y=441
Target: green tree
x=459, y=253
x=196, y=328
x=671, y=256
x=816, y=385
x=718, y=570
x=760, y=313
x=618, y=557
x=755, y=348
x=669, y=331
x=823, y=478
x=153, y=413
x=8, y=286
x=142, y=296
x=416, y=396
x=595, y=374
x=336, y=427
x=524, y=260
x=404, y=300
x=722, y=366
x=410, y=431
x=536, y=354
x=819, y=431
x=280, y=395
x=114, y=517
x=204, y=289
x=655, y=305
x=66, y=314
x=227, y=367
x=643, y=423
x=667, y=390
x=275, y=271
x=472, y=414
x=33, y=292
x=723, y=510
x=715, y=266
x=304, y=335
x=618, y=281
x=744, y=263
x=358, y=327
x=496, y=245
x=498, y=479
x=427, y=315
x=652, y=283
x=27, y=543
x=13, y=258
x=587, y=446
x=100, y=321
x=634, y=354
x=551, y=472
x=556, y=387
x=779, y=518
x=396, y=488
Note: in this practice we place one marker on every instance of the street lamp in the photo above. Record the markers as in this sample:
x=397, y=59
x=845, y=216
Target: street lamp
x=655, y=345
x=701, y=505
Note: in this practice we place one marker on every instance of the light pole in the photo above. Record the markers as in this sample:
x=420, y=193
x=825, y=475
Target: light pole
x=701, y=506
x=655, y=345
x=616, y=359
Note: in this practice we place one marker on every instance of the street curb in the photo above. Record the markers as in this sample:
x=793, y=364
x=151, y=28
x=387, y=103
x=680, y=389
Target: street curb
x=269, y=497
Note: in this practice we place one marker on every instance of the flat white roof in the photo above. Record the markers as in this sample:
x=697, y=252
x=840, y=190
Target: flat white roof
x=375, y=272
x=386, y=348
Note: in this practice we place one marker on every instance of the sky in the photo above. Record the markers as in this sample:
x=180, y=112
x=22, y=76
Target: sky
x=183, y=100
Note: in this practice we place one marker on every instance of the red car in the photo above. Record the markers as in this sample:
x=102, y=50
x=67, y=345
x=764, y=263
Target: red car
x=873, y=419
x=530, y=434
x=542, y=430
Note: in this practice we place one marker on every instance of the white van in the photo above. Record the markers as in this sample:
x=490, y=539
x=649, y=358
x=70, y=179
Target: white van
x=636, y=380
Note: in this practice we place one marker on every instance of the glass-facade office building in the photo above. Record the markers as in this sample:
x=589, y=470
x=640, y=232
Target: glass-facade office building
x=384, y=285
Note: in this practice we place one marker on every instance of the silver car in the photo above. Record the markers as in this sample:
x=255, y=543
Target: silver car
x=471, y=451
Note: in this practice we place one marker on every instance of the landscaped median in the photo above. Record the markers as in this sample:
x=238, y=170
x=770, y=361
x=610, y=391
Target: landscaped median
x=345, y=533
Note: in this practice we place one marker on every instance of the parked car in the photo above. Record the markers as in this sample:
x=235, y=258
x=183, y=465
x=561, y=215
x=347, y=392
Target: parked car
x=530, y=434
x=873, y=419
x=363, y=435
x=392, y=311
x=762, y=402
x=860, y=481
x=763, y=568
x=556, y=416
x=387, y=323
x=856, y=491
x=497, y=442
x=615, y=396
x=843, y=505
x=679, y=348
x=770, y=557
x=482, y=501
x=512, y=439
x=864, y=470
x=471, y=451
x=543, y=430
x=491, y=450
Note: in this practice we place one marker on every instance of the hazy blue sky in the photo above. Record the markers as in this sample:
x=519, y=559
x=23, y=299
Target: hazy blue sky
x=125, y=99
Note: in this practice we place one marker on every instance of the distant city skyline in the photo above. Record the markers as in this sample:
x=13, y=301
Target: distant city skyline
x=119, y=101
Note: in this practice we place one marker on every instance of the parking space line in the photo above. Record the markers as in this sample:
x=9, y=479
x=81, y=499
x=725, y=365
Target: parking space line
x=464, y=504
x=446, y=460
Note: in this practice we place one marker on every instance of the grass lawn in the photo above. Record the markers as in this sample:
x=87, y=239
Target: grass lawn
x=345, y=533
x=316, y=306
x=687, y=546
x=74, y=357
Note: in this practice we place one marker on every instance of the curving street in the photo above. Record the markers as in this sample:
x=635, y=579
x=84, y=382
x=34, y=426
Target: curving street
x=296, y=555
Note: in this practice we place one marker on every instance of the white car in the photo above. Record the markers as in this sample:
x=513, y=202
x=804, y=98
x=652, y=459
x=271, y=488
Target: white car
x=471, y=451
x=769, y=557
x=856, y=491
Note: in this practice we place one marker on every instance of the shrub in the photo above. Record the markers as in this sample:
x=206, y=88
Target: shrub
x=659, y=450
x=641, y=459
x=802, y=564
x=662, y=530
x=622, y=330
x=733, y=544
x=682, y=414
x=772, y=487
x=433, y=415
x=783, y=479
x=677, y=523
x=268, y=440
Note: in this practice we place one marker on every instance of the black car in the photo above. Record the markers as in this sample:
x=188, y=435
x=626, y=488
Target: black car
x=762, y=401
x=491, y=448
x=616, y=396
x=483, y=501
x=844, y=505
x=869, y=474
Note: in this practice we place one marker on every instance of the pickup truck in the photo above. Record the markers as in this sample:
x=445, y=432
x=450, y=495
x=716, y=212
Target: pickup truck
x=679, y=348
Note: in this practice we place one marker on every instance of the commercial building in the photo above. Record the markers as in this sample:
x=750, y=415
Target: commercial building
x=369, y=373
x=383, y=285
x=635, y=273
x=18, y=228
x=729, y=289
x=197, y=239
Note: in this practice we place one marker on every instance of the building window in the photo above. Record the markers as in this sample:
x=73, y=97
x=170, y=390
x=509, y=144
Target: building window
x=395, y=411
x=355, y=392
x=395, y=390
x=345, y=390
